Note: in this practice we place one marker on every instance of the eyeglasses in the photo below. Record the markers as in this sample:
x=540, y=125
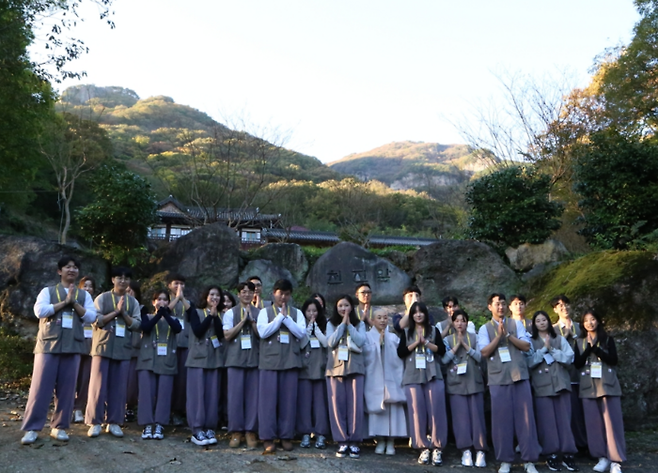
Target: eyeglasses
x=364, y=293
x=122, y=278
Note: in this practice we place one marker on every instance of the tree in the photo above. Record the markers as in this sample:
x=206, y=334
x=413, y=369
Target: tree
x=118, y=219
x=511, y=206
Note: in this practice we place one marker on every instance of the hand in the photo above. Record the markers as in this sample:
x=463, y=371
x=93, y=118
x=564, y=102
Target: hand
x=460, y=338
x=567, y=332
x=70, y=300
x=179, y=293
x=502, y=331
x=547, y=343
x=465, y=345
x=591, y=339
x=421, y=339
x=212, y=309
x=381, y=337
x=346, y=318
x=120, y=305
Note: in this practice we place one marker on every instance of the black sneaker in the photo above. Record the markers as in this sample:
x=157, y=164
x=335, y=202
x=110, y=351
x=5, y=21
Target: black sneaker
x=569, y=463
x=199, y=438
x=158, y=433
x=354, y=451
x=130, y=415
x=147, y=433
x=342, y=451
x=552, y=463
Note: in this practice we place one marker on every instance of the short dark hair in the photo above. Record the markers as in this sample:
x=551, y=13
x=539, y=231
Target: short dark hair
x=411, y=289
x=282, y=285
x=448, y=300
x=459, y=312
x=520, y=297
x=137, y=289
x=174, y=277
x=66, y=259
x=121, y=271
x=499, y=295
x=248, y=284
x=535, y=330
x=363, y=284
x=256, y=278
x=560, y=298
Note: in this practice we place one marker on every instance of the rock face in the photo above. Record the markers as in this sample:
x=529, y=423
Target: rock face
x=468, y=270
x=285, y=255
x=268, y=272
x=527, y=256
x=343, y=267
x=27, y=265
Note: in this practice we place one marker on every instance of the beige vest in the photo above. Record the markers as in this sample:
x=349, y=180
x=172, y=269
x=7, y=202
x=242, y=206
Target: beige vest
x=202, y=352
x=52, y=337
x=105, y=343
x=574, y=374
x=277, y=356
x=592, y=388
x=355, y=363
x=503, y=374
x=148, y=351
x=549, y=380
x=413, y=375
x=314, y=362
x=236, y=356
x=470, y=382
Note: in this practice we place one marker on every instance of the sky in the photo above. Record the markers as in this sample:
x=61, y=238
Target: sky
x=335, y=77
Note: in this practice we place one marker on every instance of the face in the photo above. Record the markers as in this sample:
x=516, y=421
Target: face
x=228, y=303
x=563, y=310
x=246, y=295
x=517, y=307
x=344, y=307
x=213, y=297
x=69, y=273
x=258, y=285
x=419, y=316
x=590, y=323
x=281, y=297
x=89, y=287
x=410, y=298
x=381, y=320
x=311, y=313
x=173, y=286
x=460, y=324
x=130, y=292
x=498, y=307
x=121, y=283
x=161, y=301
x=542, y=323
x=364, y=294
x=450, y=308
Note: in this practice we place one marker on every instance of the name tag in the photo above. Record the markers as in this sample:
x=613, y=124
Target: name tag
x=215, y=341
x=162, y=349
x=343, y=353
x=284, y=337
x=421, y=361
x=505, y=357
x=245, y=342
x=461, y=368
x=548, y=358
x=89, y=331
x=596, y=369
x=120, y=330
x=315, y=343
x=67, y=319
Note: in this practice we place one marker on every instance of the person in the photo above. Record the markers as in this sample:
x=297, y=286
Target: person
x=258, y=301
x=62, y=311
x=312, y=416
x=242, y=352
x=204, y=360
x=346, y=336
x=410, y=295
x=504, y=343
x=364, y=309
x=156, y=366
x=87, y=283
x=596, y=360
x=320, y=298
x=118, y=316
x=132, y=394
x=421, y=348
x=517, y=306
x=465, y=387
x=570, y=330
x=229, y=301
x=450, y=305
x=182, y=309
x=551, y=385
x=384, y=396
x=281, y=329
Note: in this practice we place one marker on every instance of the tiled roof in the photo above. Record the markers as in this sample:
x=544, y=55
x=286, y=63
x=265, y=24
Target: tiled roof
x=331, y=237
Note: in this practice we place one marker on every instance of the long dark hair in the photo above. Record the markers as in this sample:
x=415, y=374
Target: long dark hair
x=336, y=318
x=535, y=330
x=321, y=319
x=601, y=334
x=412, y=323
x=315, y=295
x=203, y=302
x=230, y=297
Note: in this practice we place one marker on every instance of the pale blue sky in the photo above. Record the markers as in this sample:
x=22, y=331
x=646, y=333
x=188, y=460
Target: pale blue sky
x=345, y=76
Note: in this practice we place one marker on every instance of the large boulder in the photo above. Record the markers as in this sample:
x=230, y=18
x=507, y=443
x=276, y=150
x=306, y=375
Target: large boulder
x=268, y=272
x=468, y=270
x=344, y=266
x=285, y=255
x=527, y=256
x=27, y=265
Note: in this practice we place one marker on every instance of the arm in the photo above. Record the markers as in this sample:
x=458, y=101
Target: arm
x=217, y=322
x=579, y=359
x=199, y=328
x=231, y=331
x=173, y=322
x=449, y=354
x=522, y=340
x=297, y=326
x=446, y=330
x=133, y=320
x=404, y=321
x=357, y=334
x=537, y=357
x=403, y=350
x=43, y=307
x=149, y=322
x=322, y=338
x=485, y=345
x=438, y=347
x=103, y=319
x=565, y=354
x=88, y=314
x=334, y=334
x=265, y=328
x=610, y=357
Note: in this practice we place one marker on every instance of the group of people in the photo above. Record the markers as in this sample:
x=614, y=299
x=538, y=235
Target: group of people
x=316, y=371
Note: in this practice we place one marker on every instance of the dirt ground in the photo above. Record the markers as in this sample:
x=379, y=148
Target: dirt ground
x=175, y=453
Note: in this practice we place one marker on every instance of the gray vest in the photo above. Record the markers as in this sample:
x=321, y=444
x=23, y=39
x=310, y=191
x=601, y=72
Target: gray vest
x=105, y=343
x=202, y=353
x=355, y=363
x=236, y=357
x=548, y=380
x=503, y=374
x=52, y=337
x=182, y=338
x=592, y=388
x=277, y=356
x=148, y=351
x=314, y=362
x=574, y=374
x=413, y=375
x=470, y=382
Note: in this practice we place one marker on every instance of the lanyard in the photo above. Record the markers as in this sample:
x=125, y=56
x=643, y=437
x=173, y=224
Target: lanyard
x=157, y=332
x=262, y=305
x=363, y=316
x=114, y=302
x=454, y=340
x=287, y=310
x=59, y=299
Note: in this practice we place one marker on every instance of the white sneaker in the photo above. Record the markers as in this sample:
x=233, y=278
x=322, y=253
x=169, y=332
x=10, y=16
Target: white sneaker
x=115, y=430
x=381, y=446
x=30, y=437
x=390, y=446
x=59, y=434
x=504, y=467
x=615, y=468
x=530, y=467
x=602, y=465
x=437, y=457
x=467, y=458
x=78, y=417
x=424, y=457
x=480, y=461
x=94, y=430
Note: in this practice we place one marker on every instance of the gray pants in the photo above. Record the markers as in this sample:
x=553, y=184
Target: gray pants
x=202, y=398
x=277, y=404
x=312, y=407
x=82, y=389
x=107, y=386
x=179, y=397
x=56, y=373
x=554, y=424
x=512, y=413
x=345, y=395
x=605, y=428
x=578, y=418
x=468, y=422
x=242, y=399
x=426, y=407
x=154, y=397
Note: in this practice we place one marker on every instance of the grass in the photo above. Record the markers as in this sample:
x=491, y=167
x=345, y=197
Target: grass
x=16, y=360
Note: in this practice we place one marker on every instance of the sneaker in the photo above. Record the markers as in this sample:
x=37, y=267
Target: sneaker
x=199, y=438
x=115, y=430
x=78, y=417
x=210, y=436
x=530, y=467
x=569, y=463
x=467, y=458
x=306, y=441
x=354, y=451
x=436, y=457
x=159, y=432
x=602, y=465
x=147, y=433
x=130, y=415
x=321, y=442
x=615, y=468
x=342, y=451
x=30, y=437
x=505, y=467
x=480, y=461
x=552, y=463
x=236, y=438
x=381, y=446
x=424, y=457
x=390, y=447
x=94, y=430
x=59, y=434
